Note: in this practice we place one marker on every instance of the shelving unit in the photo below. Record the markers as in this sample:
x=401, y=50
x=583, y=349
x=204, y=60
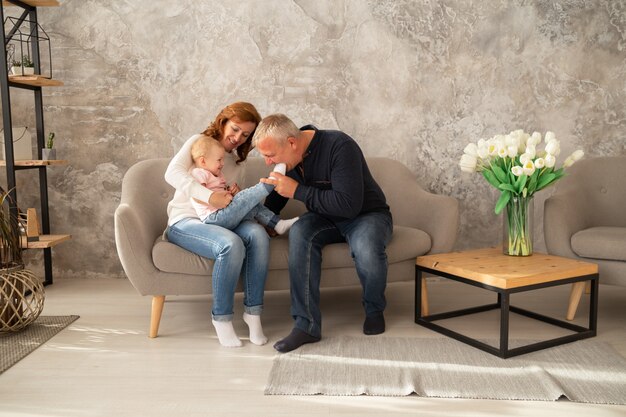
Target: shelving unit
x=34, y=83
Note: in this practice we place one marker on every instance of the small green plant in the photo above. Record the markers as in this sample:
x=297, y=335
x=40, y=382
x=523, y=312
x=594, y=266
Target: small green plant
x=50, y=142
x=27, y=62
x=16, y=63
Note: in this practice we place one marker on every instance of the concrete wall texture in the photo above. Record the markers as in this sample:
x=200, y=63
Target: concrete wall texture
x=411, y=80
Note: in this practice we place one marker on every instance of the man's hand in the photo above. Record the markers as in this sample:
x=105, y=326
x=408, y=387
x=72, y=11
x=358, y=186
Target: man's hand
x=220, y=199
x=283, y=185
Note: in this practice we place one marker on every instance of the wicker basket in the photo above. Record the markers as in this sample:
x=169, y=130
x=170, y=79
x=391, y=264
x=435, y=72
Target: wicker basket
x=21, y=298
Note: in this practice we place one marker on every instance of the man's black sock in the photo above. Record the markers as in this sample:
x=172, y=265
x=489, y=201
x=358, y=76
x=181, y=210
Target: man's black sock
x=374, y=324
x=294, y=340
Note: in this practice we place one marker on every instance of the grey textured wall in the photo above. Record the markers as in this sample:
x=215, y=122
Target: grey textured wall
x=410, y=80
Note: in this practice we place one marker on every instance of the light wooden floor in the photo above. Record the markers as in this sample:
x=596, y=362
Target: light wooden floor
x=105, y=365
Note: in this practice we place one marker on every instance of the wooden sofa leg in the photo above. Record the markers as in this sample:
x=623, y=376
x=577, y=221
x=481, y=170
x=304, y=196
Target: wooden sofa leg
x=574, y=298
x=424, y=299
x=155, y=319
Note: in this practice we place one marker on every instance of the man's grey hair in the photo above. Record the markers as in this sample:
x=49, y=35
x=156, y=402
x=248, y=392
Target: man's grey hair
x=277, y=126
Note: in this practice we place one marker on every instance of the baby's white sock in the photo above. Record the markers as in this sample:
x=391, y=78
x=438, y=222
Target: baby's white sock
x=256, y=330
x=283, y=225
x=282, y=168
x=226, y=333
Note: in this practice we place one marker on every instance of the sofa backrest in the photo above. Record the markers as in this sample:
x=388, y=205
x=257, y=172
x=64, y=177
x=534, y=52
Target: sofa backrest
x=396, y=180
x=145, y=189
x=600, y=183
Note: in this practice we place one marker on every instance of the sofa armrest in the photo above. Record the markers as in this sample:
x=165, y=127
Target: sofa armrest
x=564, y=214
x=440, y=219
x=134, y=247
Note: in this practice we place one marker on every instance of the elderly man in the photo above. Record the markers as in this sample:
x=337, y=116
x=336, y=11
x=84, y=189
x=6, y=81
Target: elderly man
x=326, y=170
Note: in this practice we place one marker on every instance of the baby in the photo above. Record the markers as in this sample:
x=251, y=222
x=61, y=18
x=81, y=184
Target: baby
x=208, y=156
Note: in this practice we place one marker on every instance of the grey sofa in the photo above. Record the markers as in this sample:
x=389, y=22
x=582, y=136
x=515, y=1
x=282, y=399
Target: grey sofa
x=423, y=223
x=586, y=219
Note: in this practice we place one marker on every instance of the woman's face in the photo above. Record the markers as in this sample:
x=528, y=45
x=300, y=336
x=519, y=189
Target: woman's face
x=236, y=133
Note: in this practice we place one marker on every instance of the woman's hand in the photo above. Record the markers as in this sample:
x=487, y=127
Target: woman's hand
x=220, y=199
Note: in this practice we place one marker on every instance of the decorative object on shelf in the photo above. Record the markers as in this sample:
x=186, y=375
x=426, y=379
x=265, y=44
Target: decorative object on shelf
x=49, y=152
x=28, y=68
x=22, y=145
x=16, y=67
x=513, y=165
x=19, y=43
x=21, y=292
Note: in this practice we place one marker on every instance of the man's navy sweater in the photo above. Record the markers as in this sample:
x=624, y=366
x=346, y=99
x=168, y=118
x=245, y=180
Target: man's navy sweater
x=333, y=179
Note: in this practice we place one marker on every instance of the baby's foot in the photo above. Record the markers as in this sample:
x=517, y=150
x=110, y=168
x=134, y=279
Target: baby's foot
x=283, y=225
x=280, y=168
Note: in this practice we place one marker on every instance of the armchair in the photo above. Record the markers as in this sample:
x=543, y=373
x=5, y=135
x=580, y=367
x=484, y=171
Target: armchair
x=586, y=219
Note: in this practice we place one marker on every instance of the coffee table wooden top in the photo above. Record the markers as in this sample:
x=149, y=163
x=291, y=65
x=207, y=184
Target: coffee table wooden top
x=490, y=266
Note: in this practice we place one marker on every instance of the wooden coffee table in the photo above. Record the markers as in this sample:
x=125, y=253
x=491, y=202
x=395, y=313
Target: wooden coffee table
x=492, y=270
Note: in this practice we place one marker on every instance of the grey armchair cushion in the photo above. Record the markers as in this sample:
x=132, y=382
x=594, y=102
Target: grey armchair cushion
x=601, y=243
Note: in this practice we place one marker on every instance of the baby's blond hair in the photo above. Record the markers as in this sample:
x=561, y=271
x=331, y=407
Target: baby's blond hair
x=203, y=145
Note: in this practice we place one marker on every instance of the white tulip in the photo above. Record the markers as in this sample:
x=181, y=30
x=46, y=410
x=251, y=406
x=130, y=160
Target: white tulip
x=493, y=149
x=540, y=163
x=529, y=168
x=524, y=158
x=502, y=152
x=550, y=137
x=569, y=161
x=517, y=171
x=550, y=160
x=471, y=149
x=483, y=151
x=535, y=139
x=511, y=151
x=468, y=163
x=531, y=150
x=553, y=147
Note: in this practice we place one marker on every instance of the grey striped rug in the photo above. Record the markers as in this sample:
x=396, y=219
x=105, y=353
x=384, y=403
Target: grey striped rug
x=584, y=371
x=15, y=346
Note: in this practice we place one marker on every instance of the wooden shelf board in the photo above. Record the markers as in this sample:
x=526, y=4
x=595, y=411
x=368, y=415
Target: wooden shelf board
x=35, y=3
x=35, y=80
x=35, y=162
x=45, y=241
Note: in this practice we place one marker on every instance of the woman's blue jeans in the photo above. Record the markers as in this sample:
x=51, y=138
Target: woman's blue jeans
x=367, y=235
x=244, y=250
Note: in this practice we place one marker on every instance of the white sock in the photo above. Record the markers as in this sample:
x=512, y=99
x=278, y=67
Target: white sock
x=282, y=168
x=283, y=225
x=226, y=333
x=256, y=331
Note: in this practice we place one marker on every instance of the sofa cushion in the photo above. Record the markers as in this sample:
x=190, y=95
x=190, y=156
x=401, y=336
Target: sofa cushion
x=169, y=257
x=601, y=243
x=406, y=243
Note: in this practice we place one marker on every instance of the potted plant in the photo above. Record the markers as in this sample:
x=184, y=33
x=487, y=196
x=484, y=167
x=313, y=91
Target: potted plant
x=16, y=67
x=49, y=153
x=28, y=66
x=21, y=292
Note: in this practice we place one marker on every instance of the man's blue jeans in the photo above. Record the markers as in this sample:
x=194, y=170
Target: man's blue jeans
x=245, y=251
x=367, y=235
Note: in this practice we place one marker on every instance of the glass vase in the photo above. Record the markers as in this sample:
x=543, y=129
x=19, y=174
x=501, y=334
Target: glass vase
x=518, y=227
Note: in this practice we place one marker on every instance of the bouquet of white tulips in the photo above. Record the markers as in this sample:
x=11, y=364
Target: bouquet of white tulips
x=512, y=163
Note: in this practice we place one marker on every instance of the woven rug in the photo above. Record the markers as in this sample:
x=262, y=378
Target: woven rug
x=15, y=346
x=584, y=371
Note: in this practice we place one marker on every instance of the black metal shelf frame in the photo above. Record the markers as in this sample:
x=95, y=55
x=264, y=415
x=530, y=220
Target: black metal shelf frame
x=5, y=84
